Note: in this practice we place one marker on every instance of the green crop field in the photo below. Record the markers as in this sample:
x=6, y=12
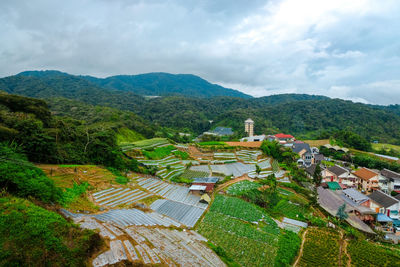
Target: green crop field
x=321, y=248
x=247, y=233
x=159, y=152
x=385, y=147
x=364, y=253
x=189, y=174
x=241, y=187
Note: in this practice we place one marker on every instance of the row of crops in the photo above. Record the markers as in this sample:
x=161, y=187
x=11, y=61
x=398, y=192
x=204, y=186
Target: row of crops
x=364, y=253
x=189, y=174
x=248, y=156
x=145, y=144
x=245, y=232
x=321, y=248
x=241, y=187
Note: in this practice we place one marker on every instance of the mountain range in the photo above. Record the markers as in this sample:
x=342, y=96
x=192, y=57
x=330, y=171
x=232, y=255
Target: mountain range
x=187, y=103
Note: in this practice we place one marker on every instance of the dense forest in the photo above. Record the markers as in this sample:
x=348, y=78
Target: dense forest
x=161, y=84
x=28, y=124
x=305, y=116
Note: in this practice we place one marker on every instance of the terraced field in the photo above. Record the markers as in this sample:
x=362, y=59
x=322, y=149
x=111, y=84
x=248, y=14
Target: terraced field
x=168, y=167
x=248, y=156
x=128, y=217
x=245, y=232
x=235, y=169
x=151, y=246
x=169, y=191
x=186, y=214
x=145, y=144
x=321, y=248
x=114, y=197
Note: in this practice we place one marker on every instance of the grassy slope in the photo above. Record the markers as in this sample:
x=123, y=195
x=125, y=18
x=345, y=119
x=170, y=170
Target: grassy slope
x=70, y=177
x=31, y=236
x=125, y=135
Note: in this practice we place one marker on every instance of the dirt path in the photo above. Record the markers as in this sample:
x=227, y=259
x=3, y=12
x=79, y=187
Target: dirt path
x=303, y=237
x=347, y=253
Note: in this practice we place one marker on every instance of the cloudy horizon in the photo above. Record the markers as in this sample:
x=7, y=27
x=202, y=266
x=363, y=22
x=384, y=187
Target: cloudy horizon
x=341, y=49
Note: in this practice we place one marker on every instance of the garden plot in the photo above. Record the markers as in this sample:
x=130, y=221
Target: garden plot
x=186, y=214
x=168, y=167
x=225, y=157
x=114, y=197
x=149, y=245
x=248, y=156
x=172, y=192
x=186, y=248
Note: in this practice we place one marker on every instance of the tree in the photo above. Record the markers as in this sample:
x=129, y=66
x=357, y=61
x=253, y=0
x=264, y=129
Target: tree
x=341, y=213
x=258, y=169
x=317, y=176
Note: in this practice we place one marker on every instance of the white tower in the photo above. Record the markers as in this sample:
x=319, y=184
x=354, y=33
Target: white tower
x=249, y=127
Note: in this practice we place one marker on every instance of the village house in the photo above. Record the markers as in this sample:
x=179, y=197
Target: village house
x=358, y=204
x=385, y=204
x=341, y=175
x=367, y=179
x=393, y=180
x=282, y=138
x=308, y=155
x=203, y=184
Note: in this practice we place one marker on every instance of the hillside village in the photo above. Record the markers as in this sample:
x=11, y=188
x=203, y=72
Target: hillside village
x=196, y=194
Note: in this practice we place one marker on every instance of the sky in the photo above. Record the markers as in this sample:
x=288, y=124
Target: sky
x=338, y=48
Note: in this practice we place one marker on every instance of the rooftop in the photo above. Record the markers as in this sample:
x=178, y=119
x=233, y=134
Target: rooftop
x=198, y=187
x=365, y=173
x=337, y=170
x=282, y=135
x=295, y=222
x=206, y=180
x=334, y=186
x=298, y=147
x=249, y=121
x=355, y=195
x=382, y=199
x=390, y=174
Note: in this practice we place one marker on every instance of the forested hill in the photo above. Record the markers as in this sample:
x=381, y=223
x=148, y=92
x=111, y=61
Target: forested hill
x=48, y=84
x=162, y=84
x=305, y=116
x=308, y=118
x=149, y=84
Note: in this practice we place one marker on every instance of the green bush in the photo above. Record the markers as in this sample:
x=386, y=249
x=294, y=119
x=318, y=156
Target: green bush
x=23, y=179
x=288, y=245
x=122, y=179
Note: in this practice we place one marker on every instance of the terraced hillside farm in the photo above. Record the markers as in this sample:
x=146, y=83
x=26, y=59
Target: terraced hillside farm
x=178, y=204
x=246, y=233
x=114, y=197
x=145, y=144
x=79, y=181
x=321, y=248
x=248, y=156
x=150, y=245
x=168, y=167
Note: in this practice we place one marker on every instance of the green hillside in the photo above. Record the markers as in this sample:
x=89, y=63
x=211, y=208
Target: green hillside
x=161, y=84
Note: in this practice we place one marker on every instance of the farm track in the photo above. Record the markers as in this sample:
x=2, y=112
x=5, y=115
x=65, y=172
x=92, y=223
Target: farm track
x=301, y=247
x=347, y=253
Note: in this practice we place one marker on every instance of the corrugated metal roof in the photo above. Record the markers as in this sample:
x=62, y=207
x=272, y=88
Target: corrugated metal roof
x=206, y=180
x=295, y=222
x=197, y=187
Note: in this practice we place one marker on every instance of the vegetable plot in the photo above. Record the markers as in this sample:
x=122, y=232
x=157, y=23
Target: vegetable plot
x=321, y=248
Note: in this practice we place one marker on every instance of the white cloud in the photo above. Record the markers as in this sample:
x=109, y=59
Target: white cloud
x=346, y=49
